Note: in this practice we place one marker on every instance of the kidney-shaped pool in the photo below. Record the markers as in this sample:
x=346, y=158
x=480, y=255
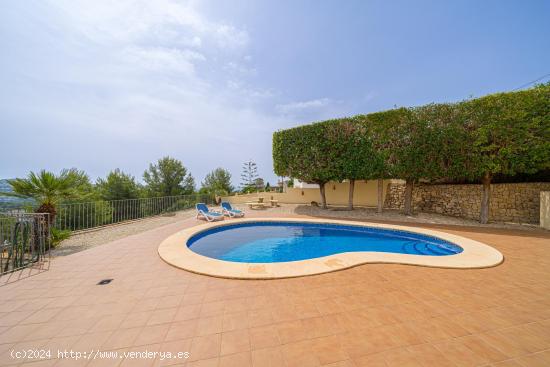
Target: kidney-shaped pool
x=271, y=248
x=272, y=242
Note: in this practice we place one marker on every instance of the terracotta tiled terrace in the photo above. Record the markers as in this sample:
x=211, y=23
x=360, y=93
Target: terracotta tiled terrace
x=370, y=315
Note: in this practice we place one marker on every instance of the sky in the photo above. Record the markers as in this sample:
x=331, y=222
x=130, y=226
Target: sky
x=100, y=85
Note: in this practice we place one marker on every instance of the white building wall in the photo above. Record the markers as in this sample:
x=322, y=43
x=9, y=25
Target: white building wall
x=303, y=185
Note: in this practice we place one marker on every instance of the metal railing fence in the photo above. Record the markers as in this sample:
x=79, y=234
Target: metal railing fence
x=24, y=241
x=88, y=215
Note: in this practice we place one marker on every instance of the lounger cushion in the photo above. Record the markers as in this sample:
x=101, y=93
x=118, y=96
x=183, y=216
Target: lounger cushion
x=213, y=214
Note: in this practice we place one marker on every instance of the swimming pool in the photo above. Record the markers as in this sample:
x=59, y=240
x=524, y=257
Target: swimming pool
x=272, y=242
x=175, y=251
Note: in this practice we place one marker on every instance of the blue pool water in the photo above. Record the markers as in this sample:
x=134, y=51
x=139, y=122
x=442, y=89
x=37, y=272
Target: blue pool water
x=265, y=242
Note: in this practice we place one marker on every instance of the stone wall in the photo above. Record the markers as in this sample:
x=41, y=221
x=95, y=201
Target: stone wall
x=514, y=202
x=545, y=209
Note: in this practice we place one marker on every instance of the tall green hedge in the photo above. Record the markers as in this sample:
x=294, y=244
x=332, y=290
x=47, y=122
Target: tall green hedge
x=307, y=153
x=419, y=143
x=508, y=133
x=504, y=133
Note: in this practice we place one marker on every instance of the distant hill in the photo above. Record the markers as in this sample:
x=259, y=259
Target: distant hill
x=5, y=187
x=11, y=202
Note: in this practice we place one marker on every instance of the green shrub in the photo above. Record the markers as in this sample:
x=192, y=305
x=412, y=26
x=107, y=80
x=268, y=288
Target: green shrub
x=58, y=235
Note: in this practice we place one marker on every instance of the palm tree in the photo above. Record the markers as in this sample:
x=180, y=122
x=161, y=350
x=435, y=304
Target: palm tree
x=48, y=189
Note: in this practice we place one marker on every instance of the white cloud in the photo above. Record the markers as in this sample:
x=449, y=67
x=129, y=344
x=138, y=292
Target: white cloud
x=240, y=69
x=121, y=84
x=196, y=41
x=144, y=20
x=161, y=59
x=131, y=81
x=229, y=36
x=301, y=106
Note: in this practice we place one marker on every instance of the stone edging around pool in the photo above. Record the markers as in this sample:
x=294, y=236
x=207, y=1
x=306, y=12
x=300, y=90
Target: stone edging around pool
x=175, y=252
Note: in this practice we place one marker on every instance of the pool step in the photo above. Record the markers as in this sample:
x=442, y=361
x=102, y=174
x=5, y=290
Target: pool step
x=419, y=248
x=425, y=249
x=408, y=248
x=415, y=248
x=441, y=250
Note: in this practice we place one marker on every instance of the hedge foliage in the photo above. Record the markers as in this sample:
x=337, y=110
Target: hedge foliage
x=504, y=133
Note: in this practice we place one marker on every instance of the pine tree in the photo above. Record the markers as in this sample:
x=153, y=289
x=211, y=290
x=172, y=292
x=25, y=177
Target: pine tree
x=249, y=175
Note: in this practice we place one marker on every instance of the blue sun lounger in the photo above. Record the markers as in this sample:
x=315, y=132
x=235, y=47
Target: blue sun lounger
x=228, y=210
x=204, y=212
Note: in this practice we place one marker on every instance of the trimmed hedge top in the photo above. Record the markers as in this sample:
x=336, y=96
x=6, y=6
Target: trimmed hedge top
x=504, y=133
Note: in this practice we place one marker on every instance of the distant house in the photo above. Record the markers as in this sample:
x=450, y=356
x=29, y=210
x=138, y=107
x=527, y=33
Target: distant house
x=303, y=185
